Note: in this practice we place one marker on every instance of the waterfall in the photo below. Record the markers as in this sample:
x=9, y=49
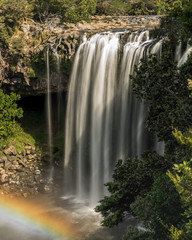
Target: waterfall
x=178, y=51
x=48, y=108
x=104, y=120
x=59, y=93
x=185, y=55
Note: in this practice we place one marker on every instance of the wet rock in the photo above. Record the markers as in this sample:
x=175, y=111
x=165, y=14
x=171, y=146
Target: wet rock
x=37, y=172
x=28, y=147
x=30, y=156
x=10, y=151
x=7, y=165
x=28, y=152
x=23, y=152
x=3, y=178
x=47, y=188
x=3, y=159
x=22, y=164
x=12, y=158
x=20, y=170
x=33, y=151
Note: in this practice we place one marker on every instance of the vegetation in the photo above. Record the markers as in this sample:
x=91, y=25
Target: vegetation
x=8, y=113
x=72, y=11
x=129, y=7
x=130, y=179
x=18, y=138
x=11, y=14
x=11, y=132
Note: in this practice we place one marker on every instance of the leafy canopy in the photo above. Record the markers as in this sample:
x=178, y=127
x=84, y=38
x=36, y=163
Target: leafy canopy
x=165, y=89
x=130, y=179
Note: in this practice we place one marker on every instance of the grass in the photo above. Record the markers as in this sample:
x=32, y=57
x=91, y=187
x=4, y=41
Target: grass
x=19, y=139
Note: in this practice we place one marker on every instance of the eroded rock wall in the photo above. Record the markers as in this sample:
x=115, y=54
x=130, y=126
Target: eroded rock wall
x=23, y=69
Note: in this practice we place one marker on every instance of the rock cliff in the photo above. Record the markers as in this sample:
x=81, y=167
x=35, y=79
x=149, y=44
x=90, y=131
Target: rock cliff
x=23, y=62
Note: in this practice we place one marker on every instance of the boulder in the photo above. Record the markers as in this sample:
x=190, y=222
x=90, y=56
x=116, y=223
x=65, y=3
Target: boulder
x=3, y=159
x=12, y=159
x=3, y=178
x=10, y=151
x=8, y=165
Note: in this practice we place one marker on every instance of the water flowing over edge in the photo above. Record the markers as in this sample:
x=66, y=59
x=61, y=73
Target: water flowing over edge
x=104, y=121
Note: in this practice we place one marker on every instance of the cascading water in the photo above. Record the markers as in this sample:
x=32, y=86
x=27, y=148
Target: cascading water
x=48, y=108
x=59, y=93
x=185, y=55
x=104, y=121
x=132, y=138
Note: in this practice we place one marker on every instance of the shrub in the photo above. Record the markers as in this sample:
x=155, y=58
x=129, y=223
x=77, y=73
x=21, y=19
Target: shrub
x=8, y=113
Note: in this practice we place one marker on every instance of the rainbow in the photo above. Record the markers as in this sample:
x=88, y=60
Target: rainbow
x=33, y=219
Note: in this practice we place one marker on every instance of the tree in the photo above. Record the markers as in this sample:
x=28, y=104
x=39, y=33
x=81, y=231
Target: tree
x=78, y=10
x=160, y=208
x=8, y=113
x=164, y=88
x=130, y=179
x=126, y=7
x=182, y=178
x=12, y=13
x=71, y=11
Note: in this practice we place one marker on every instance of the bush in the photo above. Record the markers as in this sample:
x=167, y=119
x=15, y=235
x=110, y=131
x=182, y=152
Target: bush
x=8, y=113
x=17, y=46
x=130, y=179
x=160, y=208
x=12, y=13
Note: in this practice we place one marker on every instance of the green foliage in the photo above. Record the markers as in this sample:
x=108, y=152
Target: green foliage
x=173, y=8
x=66, y=66
x=18, y=138
x=113, y=7
x=160, y=208
x=130, y=179
x=182, y=178
x=17, y=46
x=184, y=138
x=12, y=13
x=8, y=113
x=186, y=18
x=142, y=7
x=175, y=233
x=38, y=65
x=133, y=233
x=181, y=10
x=160, y=83
x=126, y=7
x=72, y=11
x=166, y=89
